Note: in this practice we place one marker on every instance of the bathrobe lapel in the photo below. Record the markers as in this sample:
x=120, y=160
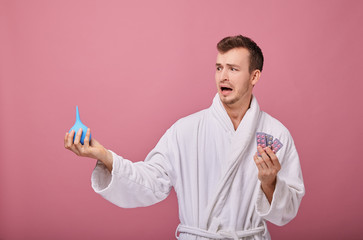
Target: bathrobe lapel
x=241, y=139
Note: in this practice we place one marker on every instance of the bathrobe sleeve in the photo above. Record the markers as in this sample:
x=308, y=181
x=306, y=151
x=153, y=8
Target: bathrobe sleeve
x=136, y=184
x=289, y=188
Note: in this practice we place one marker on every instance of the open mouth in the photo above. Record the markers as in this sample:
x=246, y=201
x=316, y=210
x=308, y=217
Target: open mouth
x=226, y=90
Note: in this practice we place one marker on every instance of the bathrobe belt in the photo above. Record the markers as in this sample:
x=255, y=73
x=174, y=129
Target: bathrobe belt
x=221, y=234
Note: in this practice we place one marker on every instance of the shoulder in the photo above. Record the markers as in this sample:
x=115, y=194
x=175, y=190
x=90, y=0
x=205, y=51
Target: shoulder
x=268, y=119
x=187, y=126
x=272, y=126
x=191, y=120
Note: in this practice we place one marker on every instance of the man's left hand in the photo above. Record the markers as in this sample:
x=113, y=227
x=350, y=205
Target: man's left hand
x=268, y=166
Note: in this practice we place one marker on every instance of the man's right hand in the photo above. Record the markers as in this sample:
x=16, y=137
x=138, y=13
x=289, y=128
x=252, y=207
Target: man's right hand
x=91, y=149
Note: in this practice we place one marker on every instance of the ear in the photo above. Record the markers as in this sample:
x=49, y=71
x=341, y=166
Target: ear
x=255, y=76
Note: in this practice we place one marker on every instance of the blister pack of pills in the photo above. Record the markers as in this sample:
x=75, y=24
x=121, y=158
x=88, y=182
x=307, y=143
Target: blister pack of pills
x=267, y=140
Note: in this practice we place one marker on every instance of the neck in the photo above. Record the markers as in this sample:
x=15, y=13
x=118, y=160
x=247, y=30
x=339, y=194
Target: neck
x=237, y=112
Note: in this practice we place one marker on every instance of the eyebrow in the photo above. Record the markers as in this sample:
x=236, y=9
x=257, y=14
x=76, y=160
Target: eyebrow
x=228, y=64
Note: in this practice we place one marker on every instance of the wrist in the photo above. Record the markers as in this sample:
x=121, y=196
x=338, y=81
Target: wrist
x=106, y=156
x=270, y=183
x=107, y=159
x=268, y=189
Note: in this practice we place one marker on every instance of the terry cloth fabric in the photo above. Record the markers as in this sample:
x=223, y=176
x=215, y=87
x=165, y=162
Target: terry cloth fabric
x=211, y=167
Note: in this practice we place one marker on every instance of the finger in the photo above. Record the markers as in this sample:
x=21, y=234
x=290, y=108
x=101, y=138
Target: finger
x=70, y=139
x=94, y=142
x=263, y=154
x=273, y=157
x=259, y=167
x=65, y=139
x=77, y=142
x=260, y=162
x=86, y=139
x=79, y=148
x=74, y=149
x=78, y=136
x=268, y=161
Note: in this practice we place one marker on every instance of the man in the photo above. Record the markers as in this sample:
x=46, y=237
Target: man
x=233, y=167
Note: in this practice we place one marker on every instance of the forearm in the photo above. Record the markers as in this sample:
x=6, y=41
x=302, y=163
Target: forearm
x=285, y=203
x=132, y=184
x=107, y=159
x=268, y=190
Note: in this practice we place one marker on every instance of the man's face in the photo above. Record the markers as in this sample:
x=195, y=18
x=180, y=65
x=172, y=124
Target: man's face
x=234, y=81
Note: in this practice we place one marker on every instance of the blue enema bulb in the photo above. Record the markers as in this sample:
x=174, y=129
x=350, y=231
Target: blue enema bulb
x=77, y=125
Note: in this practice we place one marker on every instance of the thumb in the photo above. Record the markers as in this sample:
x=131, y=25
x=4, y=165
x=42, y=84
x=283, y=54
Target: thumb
x=94, y=143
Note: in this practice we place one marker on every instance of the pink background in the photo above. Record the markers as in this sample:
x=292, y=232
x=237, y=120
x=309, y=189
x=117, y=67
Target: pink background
x=134, y=68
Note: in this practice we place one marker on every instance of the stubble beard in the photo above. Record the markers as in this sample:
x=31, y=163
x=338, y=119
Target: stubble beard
x=235, y=101
x=229, y=101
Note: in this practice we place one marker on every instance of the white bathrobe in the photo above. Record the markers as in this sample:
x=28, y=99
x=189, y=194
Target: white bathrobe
x=211, y=167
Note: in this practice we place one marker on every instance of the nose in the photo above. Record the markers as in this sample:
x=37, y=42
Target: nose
x=224, y=75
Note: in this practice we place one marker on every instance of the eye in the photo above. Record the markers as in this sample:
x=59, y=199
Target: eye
x=234, y=69
x=218, y=69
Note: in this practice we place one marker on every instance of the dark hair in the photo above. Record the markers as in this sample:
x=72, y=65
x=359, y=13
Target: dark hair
x=239, y=41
